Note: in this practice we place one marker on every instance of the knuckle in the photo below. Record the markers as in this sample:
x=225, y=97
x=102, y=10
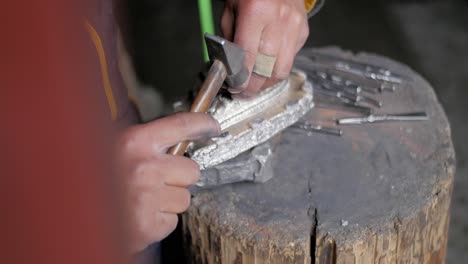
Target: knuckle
x=285, y=10
x=267, y=46
x=140, y=169
x=297, y=18
x=144, y=175
x=137, y=175
x=128, y=140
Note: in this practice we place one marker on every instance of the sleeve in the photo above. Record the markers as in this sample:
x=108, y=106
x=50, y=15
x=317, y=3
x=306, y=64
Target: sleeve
x=313, y=6
x=100, y=22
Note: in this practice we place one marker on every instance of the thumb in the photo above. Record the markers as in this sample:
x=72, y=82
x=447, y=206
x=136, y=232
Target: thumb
x=168, y=131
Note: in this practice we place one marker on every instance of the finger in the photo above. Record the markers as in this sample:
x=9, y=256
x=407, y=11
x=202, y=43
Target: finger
x=288, y=49
x=269, y=45
x=303, y=36
x=179, y=171
x=270, y=82
x=176, y=200
x=255, y=83
x=227, y=24
x=166, y=170
x=168, y=131
x=164, y=226
x=250, y=23
x=150, y=226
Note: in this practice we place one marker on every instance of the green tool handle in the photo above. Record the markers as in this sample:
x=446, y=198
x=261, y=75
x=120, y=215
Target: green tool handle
x=206, y=23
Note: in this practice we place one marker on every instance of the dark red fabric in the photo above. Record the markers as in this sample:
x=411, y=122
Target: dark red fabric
x=58, y=199
x=102, y=15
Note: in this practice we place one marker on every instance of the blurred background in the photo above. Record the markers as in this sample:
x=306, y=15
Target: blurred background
x=429, y=36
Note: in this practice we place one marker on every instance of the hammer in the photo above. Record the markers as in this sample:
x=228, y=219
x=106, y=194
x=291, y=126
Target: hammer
x=227, y=65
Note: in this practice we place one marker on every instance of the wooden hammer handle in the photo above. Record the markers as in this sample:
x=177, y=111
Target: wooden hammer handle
x=213, y=82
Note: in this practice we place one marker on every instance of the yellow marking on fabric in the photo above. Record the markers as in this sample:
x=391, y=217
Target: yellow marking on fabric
x=105, y=74
x=310, y=4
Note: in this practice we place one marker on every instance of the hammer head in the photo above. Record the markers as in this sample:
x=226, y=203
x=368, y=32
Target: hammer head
x=231, y=55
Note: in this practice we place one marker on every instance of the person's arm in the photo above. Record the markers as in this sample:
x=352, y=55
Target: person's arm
x=276, y=28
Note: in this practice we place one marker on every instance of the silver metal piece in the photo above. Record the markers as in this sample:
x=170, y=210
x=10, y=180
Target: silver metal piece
x=336, y=94
x=418, y=116
x=370, y=78
x=368, y=72
x=341, y=106
x=385, y=86
x=359, y=68
x=354, y=87
x=339, y=83
x=277, y=107
x=254, y=165
x=368, y=100
x=307, y=127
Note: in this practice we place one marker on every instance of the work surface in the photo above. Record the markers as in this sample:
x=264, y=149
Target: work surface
x=431, y=36
x=373, y=193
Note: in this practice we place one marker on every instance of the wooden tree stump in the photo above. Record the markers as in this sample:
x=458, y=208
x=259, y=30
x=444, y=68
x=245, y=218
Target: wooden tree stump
x=379, y=194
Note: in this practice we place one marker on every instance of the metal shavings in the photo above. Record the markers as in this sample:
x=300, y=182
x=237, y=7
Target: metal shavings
x=344, y=223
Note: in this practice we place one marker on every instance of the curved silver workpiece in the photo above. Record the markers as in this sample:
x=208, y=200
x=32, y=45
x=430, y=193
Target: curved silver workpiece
x=248, y=123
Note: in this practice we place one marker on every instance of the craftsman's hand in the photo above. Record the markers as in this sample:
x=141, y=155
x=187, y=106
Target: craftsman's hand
x=156, y=183
x=273, y=27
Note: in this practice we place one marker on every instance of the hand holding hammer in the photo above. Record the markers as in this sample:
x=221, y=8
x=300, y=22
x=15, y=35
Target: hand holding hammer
x=227, y=65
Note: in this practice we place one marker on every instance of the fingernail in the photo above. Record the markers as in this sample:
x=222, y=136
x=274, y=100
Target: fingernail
x=217, y=128
x=235, y=90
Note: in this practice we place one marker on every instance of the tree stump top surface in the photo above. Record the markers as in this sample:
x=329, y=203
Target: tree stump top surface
x=372, y=177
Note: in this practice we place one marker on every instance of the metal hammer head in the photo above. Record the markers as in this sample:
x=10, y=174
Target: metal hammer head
x=231, y=55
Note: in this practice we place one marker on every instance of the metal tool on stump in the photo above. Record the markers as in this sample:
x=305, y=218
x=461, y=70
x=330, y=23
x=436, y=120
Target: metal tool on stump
x=227, y=65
